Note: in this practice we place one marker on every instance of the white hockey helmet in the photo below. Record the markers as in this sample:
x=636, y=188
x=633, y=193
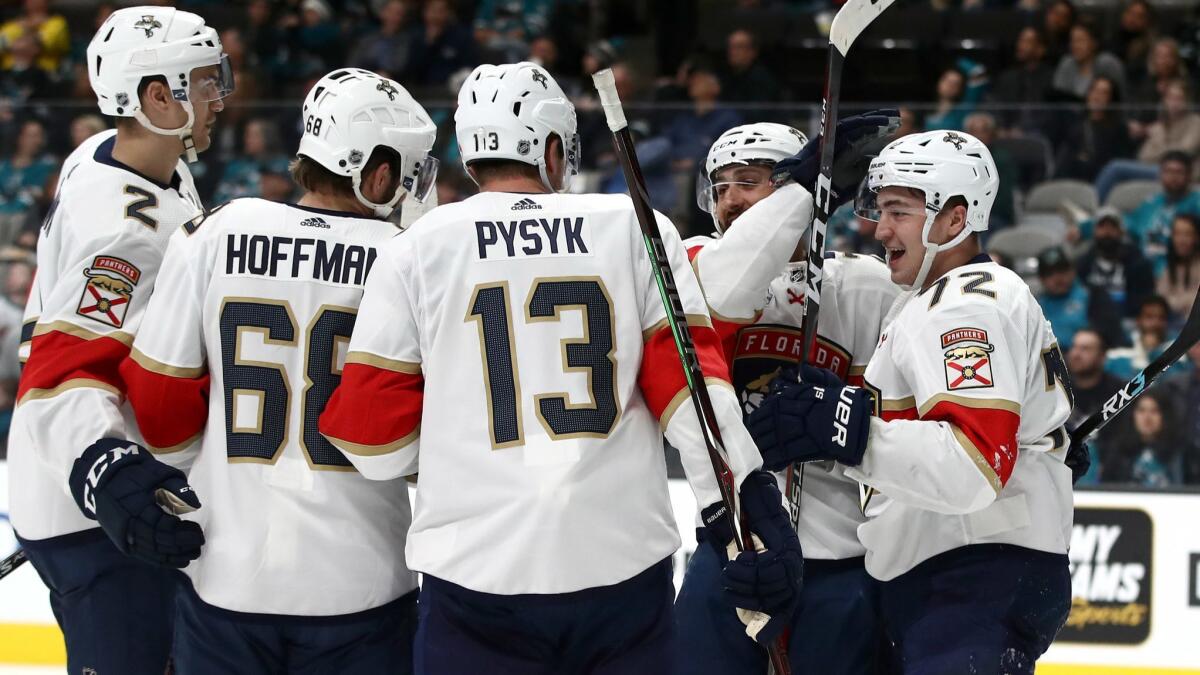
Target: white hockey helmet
x=762, y=143
x=509, y=112
x=350, y=112
x=139, y=42
x=942, y=165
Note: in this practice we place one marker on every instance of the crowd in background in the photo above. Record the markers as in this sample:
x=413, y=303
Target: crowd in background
x=1100, y=95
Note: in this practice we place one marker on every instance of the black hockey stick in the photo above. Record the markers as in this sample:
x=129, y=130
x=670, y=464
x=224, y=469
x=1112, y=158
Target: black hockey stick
x=12, y=562
x=849, y=23
x=676, y=318
x=1188, y=337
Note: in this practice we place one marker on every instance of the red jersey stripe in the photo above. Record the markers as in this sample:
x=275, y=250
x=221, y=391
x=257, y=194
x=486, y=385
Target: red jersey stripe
x=57, y=359
x=170, y=410
x=661, y=376
x=373, y=407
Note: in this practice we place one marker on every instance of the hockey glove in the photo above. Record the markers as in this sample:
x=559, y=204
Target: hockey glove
x=1079, y=460
x=858, y=139
x=806, y=422
x=764, y=585
x=135, y=497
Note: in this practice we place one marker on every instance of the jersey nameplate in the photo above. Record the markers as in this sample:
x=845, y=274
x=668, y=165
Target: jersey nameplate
x=504, y=239
x=298, y=258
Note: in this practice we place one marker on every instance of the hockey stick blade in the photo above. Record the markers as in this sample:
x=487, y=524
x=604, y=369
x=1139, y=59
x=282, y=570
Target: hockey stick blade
x=12, y=562
x=1188, y=337
x=852, y=19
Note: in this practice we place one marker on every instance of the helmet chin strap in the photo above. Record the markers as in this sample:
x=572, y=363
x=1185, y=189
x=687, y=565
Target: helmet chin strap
x=566, y=178
x=931, y=251
x=184, y=132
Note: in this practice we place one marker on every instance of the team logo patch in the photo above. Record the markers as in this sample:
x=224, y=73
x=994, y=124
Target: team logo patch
x=356, y=157
x=523, y=147
x=968, y=358
x=388, y=88
x=108, y=290
x=956, y=139
x=149, y=24
x=540, y=77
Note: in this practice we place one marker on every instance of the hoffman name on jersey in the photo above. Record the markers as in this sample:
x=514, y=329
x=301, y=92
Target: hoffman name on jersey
x=541, y=236
x=298, y=257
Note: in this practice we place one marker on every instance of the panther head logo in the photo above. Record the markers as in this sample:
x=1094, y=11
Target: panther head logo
x=954, y=138
x=149, y=24
x=387, y=88
x=540, y=78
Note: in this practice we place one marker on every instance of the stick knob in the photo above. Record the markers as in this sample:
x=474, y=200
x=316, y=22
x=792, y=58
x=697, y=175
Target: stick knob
x=606, y=86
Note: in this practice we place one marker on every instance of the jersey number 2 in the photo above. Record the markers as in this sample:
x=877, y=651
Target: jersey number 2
x=268, y=382
x=491, y=310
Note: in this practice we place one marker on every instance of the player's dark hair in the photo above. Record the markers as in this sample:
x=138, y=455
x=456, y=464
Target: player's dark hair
x=129, y=122
x=312, y=177
x=1153, y=300
x=1099, y=336
x=1179, y=268
x=1177, y=156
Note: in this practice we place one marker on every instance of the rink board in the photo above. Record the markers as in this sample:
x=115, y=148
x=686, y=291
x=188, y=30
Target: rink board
x=1136, y=560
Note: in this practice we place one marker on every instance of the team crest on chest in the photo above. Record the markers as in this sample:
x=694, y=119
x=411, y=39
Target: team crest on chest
x=108, y=290
x=968, y=358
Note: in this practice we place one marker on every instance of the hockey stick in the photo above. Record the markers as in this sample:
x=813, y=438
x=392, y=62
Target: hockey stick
x=12, y=562
x=665, y=279
x=1188, y=337
x=848, y=24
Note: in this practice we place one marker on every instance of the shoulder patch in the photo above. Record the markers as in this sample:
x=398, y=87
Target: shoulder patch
x=968, y=358
x=108, y=290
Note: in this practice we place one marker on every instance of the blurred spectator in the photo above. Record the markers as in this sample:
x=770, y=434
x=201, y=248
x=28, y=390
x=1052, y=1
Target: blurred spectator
x=1057, y=22
x=1150, y=223
x=654, y=155
x=1134, y=36
x=959, y=91
x=267, y=42
x=314, y=40
x=745, y=79
x=1164, y=65
x=385, y=50
x=1069, y=305
x=49, y=32
x=1085, y=61
x=1149, y=339
x=1146, y=452
x=1179, y=281
x=982, y=125
x=1096, y=138
x=84, y=127
x=1182, y=387
x=23, y=176
x=16, y=271
x=504, y=27
x=262, y=153
x=1091, y=385
x=691, y=132
x=1177, y=127
x=441, y=45
x=23, y=80
x=1115, y=265
x=1025, y=86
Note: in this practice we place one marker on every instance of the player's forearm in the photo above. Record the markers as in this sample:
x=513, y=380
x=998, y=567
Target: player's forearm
x=62, y=426
x=925, y=464
x=374, y=416
x=170, y=404
x=683, y=431
x=736, y=269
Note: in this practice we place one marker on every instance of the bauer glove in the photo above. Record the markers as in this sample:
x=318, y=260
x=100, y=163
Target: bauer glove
x=135, y=498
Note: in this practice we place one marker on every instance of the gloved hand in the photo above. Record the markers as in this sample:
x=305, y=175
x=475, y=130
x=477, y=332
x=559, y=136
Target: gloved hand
x=764, y=585
x=806, y=422
x=1079, y=460
x=135, y=498
x=858, y=139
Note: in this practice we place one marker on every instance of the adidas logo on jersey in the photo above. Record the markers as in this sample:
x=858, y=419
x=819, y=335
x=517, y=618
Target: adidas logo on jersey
x=526, y=204
x=314, y=222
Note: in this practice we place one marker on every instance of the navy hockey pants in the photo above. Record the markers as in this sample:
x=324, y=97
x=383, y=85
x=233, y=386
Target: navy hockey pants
x=836, y=630
x=115, y=611
x=610, y=630
x=987, y=609
x=210, y=640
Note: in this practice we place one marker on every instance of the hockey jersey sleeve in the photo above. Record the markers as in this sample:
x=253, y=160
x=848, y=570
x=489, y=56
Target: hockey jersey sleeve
x=736, y=269
x=165, y=374
x=664, y=384
x=88, y=311
x=951, y=447
x=374, y=416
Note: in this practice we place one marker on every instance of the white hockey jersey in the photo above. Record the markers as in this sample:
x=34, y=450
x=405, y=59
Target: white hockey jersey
x=972, y=394
x=98, y=256
x=761, y=335
x=517, y=345
x=241, y=346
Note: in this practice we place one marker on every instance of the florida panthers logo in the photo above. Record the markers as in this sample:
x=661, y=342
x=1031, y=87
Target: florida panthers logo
x=108, y=290
x=149, y=24
x=540, y=78
x=387, y=88
x=968, y=358
x=956, y=139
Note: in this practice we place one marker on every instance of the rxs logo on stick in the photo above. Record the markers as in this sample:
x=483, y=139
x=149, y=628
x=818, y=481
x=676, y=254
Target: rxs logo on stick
x=1111, y=572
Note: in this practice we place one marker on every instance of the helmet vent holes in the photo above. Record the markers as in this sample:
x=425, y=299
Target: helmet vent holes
x=338, y=75
x=106, y=37
x=517, y=108
x=494, y=95
x=318, y=92
x=98, y=60
x=473, y=99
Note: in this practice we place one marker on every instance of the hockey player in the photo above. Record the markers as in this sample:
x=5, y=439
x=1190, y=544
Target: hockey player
x=517, y=339
x=752, y=274
x=162, y=74
x=966, y=447
x=301, y=569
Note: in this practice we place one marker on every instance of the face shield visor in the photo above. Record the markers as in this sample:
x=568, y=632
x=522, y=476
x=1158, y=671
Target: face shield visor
x=419, y=184
x=211, y=83
x=709, y=190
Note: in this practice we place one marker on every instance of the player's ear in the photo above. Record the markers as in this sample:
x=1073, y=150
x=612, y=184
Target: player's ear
x=157, y=100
